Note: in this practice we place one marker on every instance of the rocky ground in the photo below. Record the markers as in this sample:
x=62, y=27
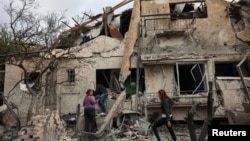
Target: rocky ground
x=116, y=134
x=181, y=132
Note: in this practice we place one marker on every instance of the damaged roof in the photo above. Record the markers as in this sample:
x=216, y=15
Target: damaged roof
x=105, y=23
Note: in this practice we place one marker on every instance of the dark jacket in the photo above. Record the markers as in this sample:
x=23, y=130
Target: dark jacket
x=100, y=89
x=166, y=108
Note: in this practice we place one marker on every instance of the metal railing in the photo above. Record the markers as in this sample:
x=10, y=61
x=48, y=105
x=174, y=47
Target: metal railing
x=153, y=99
x=167, y=23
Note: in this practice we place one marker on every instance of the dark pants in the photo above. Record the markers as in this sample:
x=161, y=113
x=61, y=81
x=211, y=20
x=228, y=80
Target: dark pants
x=160, y=122
x=90, y=122
x=102, y=102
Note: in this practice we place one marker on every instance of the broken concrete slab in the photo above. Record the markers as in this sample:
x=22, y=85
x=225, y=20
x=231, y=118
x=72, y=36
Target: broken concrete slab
x=3, y=108
x=237, y=117
x=246, y=107
x=244, y=35
x=231, y=92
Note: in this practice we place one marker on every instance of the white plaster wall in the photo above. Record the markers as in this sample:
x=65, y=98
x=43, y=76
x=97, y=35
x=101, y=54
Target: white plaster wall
x=18, y=97
x=15, y=94
x=100, y=53
x=233, y=94
x=159, y=77
x=71, y=94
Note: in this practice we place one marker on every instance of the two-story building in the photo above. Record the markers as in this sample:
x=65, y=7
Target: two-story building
x=176, y=45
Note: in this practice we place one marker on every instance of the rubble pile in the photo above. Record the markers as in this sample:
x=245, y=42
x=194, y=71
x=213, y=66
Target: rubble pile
x=132, y=134
x=47, y=127
x=131, y=125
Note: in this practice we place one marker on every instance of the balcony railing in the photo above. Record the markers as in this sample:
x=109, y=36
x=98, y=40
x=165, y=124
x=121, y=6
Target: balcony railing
x=153, y=99
x=167, y=23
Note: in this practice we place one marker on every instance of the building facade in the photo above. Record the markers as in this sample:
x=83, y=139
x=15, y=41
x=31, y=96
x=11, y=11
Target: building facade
x=176, y=45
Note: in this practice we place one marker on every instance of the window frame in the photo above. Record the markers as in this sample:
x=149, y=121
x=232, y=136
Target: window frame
x=178, y=91
x=71, y=75
x=183, y=15
x=28, y=79
x=31, y=82
x=235, y=62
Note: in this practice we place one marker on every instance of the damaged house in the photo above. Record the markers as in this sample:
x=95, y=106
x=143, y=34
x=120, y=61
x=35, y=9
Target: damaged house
x=176, y=45
x=87, y=54
x=184, y=44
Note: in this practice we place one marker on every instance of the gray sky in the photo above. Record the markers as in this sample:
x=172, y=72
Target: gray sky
x=73, y=7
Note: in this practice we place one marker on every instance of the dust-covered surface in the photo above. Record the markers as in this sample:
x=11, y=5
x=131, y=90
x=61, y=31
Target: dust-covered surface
x=181, y=132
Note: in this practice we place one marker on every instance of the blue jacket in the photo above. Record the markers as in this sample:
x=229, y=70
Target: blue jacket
x=100, y=89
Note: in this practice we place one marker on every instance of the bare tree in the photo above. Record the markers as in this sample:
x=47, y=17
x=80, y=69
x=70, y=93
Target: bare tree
x=29, y=34
x=82, y=17
x=52, y=28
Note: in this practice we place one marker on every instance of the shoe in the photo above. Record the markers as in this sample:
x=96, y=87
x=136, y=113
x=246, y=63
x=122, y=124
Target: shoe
x=102, y=114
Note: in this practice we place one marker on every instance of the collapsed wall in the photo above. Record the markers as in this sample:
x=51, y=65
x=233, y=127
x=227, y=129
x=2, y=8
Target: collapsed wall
x=48, y=127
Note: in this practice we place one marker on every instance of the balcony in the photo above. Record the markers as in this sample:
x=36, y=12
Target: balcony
x=168, y=24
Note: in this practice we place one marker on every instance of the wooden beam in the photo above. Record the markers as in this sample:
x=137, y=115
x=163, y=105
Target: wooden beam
x=106, y=79
x=75, y=21
x=105, y=22
x=66, y=24
x=90, y=17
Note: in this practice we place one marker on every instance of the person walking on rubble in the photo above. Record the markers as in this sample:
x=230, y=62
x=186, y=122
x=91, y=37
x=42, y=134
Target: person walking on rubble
x=102, y=93
x=166, y=117
x=89, y=111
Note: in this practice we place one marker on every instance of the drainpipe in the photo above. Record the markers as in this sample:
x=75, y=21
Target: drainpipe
x=138, y=68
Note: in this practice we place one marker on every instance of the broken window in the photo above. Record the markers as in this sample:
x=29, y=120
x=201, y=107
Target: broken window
x=130, y=83
x=31, y=79
x=233, y=11
x=228, y=69
x=71, y=75
x=188, y=10
x=110, y=79
x=191, y=78
x=125, y=21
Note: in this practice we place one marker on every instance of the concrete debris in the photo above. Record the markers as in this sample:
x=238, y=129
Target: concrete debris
x=130, y=125
x=24, y=88
x=230, y=88
x=94, y=26
x=3, y=107
x=47, y=127
x=118, y=134
x=6, y=133
x=237, y=117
